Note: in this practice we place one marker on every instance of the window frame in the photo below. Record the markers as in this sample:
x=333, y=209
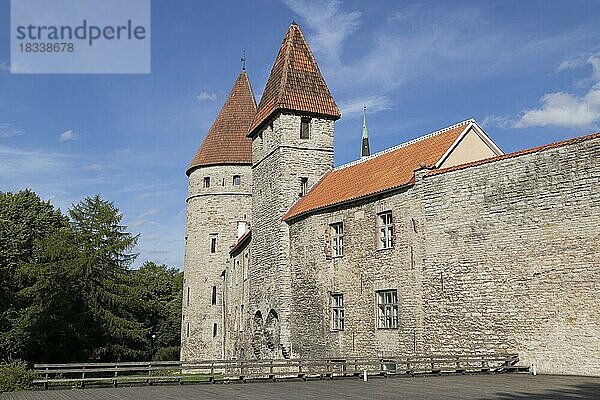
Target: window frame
x=206, y=182
x=303, y=185
x=238, y=179
x=213, y=244
x=338, y=318
x=387, y=309
x=385, y=230
x=337, y=239
x=305, y=128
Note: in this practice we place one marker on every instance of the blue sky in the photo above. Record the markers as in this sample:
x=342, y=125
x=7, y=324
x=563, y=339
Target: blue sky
x=528, y=71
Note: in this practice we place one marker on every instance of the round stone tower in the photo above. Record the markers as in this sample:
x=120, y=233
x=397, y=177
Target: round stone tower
x=218, y=211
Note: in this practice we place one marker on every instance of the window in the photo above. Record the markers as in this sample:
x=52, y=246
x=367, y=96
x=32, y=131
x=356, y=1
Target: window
x=237, y=180
x=303, y=186
x=206, y=183
x=386, y=230
x=387, y=309
x=337, y=312
x=188, y=296
x=213, y=245
x=215, y=329
x=305, y=128
x=337, y=239
x=223, y=182
x=187, y=330
x=213, y=299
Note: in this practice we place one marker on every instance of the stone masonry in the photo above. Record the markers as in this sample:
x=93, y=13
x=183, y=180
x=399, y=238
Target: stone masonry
x=212, y=213
x=280, y=160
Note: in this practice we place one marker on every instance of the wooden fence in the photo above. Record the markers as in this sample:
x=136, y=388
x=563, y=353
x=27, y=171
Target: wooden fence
x=150, y=372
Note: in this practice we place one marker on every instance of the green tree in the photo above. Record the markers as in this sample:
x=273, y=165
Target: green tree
x=24, y=220
x=158, y=291
x=105, y=254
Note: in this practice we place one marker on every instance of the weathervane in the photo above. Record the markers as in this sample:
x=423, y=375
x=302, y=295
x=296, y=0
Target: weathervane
x=243, y=60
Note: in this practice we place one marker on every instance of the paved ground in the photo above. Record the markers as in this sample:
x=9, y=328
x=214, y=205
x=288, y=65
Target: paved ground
x=483, y=387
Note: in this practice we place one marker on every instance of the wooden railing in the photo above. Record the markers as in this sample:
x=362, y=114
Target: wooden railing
x=226, y=370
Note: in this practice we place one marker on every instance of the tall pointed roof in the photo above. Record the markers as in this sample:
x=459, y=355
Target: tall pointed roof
x=295, y=83
x=226, y=141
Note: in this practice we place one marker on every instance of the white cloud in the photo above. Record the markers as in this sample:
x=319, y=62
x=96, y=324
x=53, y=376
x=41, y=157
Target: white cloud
x=497, y=120
x=94, y=168
x=10, y=130
x=20, y=164
x=354, y=107
x=206, y=96
x=66, y=136
x=143, y=217
x=330, y=25
x=567, y=110
x=571, y=63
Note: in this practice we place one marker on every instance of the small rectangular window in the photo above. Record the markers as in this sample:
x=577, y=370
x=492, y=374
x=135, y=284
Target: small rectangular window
x=213, y=299
x=188, y=296
x=213, y=245
x=305, y=128
x=187, y=330
x=303, y=186
x=337, y=239
x=215, y=329
x=337, y=312
x=385, y=230
x=237, y=180
x=387, y=309
x=206, y=182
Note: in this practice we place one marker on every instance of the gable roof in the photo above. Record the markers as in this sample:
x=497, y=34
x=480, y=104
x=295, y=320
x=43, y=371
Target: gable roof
x=295, y=83
x=226, y=141
x=387, y=170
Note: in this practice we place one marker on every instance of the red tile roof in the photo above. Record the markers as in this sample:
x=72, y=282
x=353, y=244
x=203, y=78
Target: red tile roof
x=295, y=83
x=517, y=153
x=226, y=141
x=381, y=172
x=241, y=242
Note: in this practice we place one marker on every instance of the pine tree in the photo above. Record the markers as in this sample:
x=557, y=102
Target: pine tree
x=105, y=255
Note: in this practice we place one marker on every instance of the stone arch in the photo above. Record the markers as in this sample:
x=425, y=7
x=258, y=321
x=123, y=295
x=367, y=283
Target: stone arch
x=272, y=331
x=257, y=334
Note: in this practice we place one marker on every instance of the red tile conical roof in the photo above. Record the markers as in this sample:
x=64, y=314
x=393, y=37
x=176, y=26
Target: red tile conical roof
x=226, y=141
x=295, y=83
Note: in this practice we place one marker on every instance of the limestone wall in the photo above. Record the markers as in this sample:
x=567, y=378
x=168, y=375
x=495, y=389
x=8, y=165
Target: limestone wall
x=358, y=275
x=280, y=159
x=211, y=213
x=513, y=259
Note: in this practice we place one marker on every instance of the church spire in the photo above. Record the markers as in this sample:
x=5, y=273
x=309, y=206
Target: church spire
x=365, y=152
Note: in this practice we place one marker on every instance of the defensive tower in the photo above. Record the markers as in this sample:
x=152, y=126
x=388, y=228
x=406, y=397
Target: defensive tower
x=218, y=211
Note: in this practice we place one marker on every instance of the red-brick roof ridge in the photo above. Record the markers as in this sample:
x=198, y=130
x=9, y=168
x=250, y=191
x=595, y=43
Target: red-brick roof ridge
x=516, y=153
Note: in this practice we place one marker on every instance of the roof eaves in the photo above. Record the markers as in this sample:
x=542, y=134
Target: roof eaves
x=287, y=217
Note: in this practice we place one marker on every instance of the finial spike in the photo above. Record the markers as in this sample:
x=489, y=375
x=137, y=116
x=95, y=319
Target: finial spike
x=243, y=60
x=365, y=151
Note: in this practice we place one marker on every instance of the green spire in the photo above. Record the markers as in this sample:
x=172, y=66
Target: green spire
x=365, y=151
x=365, y=134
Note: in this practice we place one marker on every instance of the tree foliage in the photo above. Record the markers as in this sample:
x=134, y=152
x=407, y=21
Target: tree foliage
x=72, y=295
